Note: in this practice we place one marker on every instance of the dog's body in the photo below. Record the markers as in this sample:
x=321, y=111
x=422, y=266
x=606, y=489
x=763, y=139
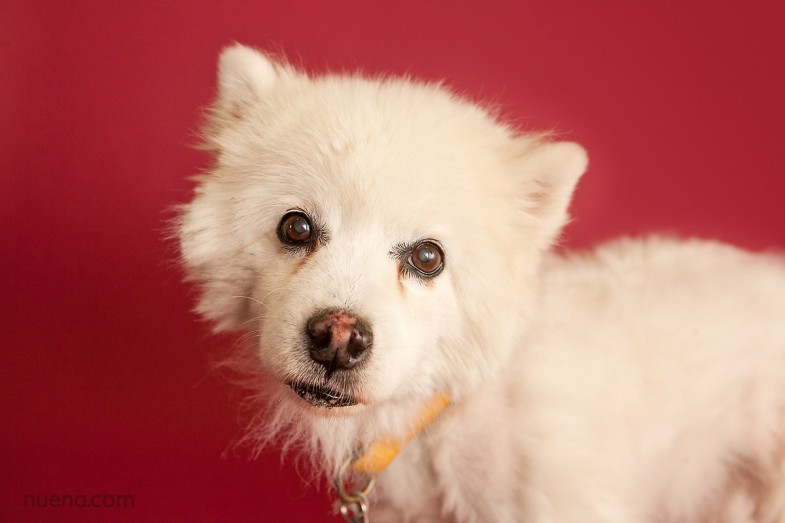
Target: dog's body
x=612, y=411
x=388, y=241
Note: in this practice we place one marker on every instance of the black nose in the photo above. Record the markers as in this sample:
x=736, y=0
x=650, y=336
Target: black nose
x=338, y=339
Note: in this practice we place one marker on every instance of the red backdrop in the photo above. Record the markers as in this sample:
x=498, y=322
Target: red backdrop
x=104, y=385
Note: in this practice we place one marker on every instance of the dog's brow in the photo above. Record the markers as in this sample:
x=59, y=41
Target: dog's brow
x=400, y=250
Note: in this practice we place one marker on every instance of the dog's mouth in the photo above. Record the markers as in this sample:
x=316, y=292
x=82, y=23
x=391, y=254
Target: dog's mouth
x=321, y=396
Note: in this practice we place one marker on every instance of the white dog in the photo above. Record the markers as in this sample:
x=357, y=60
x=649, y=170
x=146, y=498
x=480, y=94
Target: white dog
x=386, y=243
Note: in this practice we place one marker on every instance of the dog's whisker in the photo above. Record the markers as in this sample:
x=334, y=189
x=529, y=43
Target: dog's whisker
x=251, y=298
x=253, y=320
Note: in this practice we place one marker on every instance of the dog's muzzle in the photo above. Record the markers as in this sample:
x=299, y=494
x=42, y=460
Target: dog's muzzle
x=338, y=341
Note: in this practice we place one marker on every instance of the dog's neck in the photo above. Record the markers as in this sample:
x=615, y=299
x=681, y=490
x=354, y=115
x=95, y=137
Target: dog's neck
x=378, y=456
x=383, y=451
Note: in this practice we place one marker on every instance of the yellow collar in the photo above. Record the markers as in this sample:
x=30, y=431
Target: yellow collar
x=381, y=453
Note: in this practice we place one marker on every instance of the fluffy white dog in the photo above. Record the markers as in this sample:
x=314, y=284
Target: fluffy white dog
x=386, y=243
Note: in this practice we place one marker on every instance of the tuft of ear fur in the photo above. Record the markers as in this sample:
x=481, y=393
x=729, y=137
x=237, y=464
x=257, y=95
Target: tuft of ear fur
x=551, y=171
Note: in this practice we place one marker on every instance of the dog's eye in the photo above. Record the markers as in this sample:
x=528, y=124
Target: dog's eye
x=295, y=228
x=427, y=259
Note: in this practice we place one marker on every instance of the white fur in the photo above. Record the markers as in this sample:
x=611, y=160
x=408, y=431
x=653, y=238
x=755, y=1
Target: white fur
x=643, y=382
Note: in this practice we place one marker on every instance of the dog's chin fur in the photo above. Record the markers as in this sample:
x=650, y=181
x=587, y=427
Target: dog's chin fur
x=638, y=383
x=324, y=437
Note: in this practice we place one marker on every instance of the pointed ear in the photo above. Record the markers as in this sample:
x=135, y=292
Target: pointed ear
x=551, y=171
x=244, y=74
x=246, y=79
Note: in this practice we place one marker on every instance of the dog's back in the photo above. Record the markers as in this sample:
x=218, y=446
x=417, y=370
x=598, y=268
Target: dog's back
x=657, y=369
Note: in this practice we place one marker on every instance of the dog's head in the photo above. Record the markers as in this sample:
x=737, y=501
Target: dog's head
x=381, y=237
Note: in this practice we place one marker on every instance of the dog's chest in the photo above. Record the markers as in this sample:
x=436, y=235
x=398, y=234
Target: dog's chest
x=461, y=469
x=409, y=490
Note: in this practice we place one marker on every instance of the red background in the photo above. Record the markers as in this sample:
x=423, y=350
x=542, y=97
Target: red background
x=104, y=386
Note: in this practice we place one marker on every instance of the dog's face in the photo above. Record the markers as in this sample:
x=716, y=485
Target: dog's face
x=380, y=237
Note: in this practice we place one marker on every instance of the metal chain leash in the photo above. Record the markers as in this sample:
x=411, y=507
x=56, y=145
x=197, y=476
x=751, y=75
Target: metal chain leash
x=354, y=501
x=355, y=511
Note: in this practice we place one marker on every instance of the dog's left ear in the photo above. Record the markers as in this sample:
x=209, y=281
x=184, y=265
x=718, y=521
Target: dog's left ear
x=550, y=172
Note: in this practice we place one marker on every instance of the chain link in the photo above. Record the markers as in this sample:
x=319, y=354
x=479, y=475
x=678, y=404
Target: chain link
x=356, y=511
x=354, y=501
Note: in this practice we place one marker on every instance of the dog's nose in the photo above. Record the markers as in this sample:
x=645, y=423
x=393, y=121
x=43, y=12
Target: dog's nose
x=338, y=339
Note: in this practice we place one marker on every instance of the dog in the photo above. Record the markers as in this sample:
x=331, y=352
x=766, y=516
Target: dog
x=386, y=246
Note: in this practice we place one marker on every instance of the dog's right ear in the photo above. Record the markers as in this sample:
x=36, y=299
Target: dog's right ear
x=246, y=81
x=244, y=75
